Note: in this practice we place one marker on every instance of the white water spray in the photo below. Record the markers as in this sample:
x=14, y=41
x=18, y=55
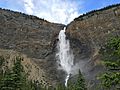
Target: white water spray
x=65, y=57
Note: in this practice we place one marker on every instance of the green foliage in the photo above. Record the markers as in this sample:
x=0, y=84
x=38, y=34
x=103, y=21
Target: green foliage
x=18, y=75
x=111, y=59
x=16, y=79
x=13, y=79
x=1, y=70
x=111, y=51
x=79, y=84
x=110, y=79
x=1, y=60
x=61, y=87
x=7, y=83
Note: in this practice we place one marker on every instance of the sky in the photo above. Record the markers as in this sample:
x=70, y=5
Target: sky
x=57, y=11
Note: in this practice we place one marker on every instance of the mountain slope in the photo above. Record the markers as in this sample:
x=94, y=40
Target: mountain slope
x=88, y=33
x=30, y=36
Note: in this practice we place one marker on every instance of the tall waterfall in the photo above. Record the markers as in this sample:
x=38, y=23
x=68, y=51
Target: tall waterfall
x=65, y=57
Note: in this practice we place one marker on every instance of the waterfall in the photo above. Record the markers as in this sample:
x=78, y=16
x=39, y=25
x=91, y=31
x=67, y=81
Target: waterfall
x=64, y=55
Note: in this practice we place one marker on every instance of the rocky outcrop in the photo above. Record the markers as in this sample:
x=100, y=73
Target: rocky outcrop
x=27, y=34
x=31, y=36
x=88, y=33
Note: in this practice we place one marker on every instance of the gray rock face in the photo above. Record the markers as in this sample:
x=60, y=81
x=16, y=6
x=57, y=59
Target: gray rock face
x=27, y=34
x=88, y=34
x=31, y=36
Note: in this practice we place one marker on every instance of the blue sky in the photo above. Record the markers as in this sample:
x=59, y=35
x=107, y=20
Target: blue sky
x=58, y=11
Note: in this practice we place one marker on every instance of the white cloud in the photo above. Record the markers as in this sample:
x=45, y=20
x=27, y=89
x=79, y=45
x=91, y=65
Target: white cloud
x=29, y=6
x=58, y=11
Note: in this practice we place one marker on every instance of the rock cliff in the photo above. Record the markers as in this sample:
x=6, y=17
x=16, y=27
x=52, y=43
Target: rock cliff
x=35, y=39
x=31, y=36
x=88, y=33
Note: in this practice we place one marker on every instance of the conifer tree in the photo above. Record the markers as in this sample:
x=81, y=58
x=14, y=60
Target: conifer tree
x=2, y=60
x=18, y=73
x=111, y=59
x=7, y=83
x=80, y=84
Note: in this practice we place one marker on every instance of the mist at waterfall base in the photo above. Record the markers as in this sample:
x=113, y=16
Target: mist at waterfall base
x=65, y=57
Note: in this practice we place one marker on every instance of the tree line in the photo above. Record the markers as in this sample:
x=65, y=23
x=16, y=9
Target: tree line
x=16, y=79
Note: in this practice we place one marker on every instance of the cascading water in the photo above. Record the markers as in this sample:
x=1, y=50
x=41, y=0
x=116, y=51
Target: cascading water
x=65, y=57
